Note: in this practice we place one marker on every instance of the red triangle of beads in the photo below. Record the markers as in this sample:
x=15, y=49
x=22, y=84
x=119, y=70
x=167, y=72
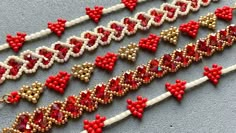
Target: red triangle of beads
x=14, y=97
x=106, y=62
x=94, y=126
x=16, y=42
x=190, y=28
x=58, y=82
x=95, y=14
x=177, y=89
x=137, y=107
x=130, y=4
x=58, y=27
x=213, y=74
x=150, y=43
x=225, y=13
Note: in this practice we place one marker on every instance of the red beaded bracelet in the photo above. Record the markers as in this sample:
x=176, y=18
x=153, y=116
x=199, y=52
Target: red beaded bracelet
x=44, y=57
x=95, y=14
x=137, y=108
x=59, y=111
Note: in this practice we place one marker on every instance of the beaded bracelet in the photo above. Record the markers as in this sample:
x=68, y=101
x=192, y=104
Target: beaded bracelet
x=44, y=57
x=107, y=62
x=16, y=42
x=59, y=111
x=84, y=71
x=136, y=108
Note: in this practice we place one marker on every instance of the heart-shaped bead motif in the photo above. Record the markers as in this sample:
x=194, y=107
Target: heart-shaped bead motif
x=150, y=43
x=170, y=35
x=93, y=39
x=101, y=94
x=71, y=106
x=106, y=62
x=48, y=55
x=203, y=47
x=128, y=52
x=115, y=87
x=156, y=68
x=106, y=35
x=22, y=123
x=17, y=66
x=58, y=27
x=145, y=20
x=86, y=101
x=159, y=16
x=33, y=61
x=119, y=29
x=78, y=45
x=95, y=14
x=190, y=28
x=63, y=51
x=225, y=13
x=83, y=72
x=177, y=89
x=130, y=80
x=130, y=4
x=184, y=6
x=94, y=126
x=16, y=42
x=213, y=73
x=168, y=63
x=208, y=21
x=56, y=114
x=192, y=52
x=172, y=11
x=137, y=107
x=131, y=24
x=32, y=93
x=179, y=57
x=195, y=4
x=143, y=74
x=58, y=82
x=40, y=120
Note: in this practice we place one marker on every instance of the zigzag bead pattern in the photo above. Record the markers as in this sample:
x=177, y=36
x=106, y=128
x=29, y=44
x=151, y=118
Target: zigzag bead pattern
x=60, y=111
x=60, y=52
x=58, y=29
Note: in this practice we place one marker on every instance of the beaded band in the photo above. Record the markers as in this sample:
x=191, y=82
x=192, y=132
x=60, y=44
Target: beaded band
x=59, y=111
x=136, y=108
x=59, y=27
x=44, y=57
x=107, y=62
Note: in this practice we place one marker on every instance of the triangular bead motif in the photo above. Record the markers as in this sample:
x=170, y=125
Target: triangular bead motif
x=94, y=126
x=137, y=107
x=95, y=14
x=177, y=89
x=170, y=35
x=129, y=52
x=190, y=28
x=32, y=93
x=83, y=72
x=224, y=13
x=208, y=21
x=213, y=73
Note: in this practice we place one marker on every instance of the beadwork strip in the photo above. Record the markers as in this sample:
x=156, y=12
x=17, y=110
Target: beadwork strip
x=136, y=108
x=44, y=57
x=16, y=42
x=60, y=111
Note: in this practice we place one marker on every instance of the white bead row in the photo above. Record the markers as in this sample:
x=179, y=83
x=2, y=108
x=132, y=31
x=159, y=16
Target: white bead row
x=115, y=34
x=162, y=97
